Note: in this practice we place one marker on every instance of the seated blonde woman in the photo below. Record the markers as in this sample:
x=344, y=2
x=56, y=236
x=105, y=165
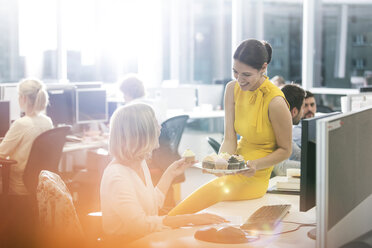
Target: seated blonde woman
x=129, y=201
x=17, y=142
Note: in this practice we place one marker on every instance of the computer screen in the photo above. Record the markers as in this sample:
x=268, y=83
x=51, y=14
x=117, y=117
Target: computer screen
x=61, y=108
x=91, y=105
x=4, y=117
x=10, y=93
x=308, y=165
x=344, y=175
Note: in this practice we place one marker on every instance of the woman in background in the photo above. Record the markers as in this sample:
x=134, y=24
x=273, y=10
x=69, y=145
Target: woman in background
x=129, y=201
x=256, y=110
x=17, y=142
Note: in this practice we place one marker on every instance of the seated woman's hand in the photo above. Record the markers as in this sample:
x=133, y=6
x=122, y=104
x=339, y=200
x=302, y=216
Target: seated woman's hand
x=206, y=219
x=192, y=219
x=178, y=167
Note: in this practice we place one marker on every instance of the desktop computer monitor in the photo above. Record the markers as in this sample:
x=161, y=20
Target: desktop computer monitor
x=9, y=93
x=308, y=158
x=4, y=117
x=344, y=175
x=91, y=105
x=61, y=108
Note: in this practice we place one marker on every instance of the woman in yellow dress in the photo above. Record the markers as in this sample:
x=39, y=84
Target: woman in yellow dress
x=256, y=110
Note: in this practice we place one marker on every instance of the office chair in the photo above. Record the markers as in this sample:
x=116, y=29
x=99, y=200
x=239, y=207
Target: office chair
x=169, y=140
x=58, y=220
x=45, y=154
x=214, y=144
x=20, y=211
x=324, y=109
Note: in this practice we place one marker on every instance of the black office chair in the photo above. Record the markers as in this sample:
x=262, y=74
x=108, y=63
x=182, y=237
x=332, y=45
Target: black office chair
x=169, y=140
x=214, y=144
x=45, y=154
x=19, y=212
x=324, y=109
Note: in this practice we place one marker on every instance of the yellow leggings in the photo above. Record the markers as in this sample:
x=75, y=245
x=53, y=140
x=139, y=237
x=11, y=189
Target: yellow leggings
x=226, y=188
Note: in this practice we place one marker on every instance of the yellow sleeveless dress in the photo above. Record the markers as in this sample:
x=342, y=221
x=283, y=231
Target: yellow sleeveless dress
x=258, y=140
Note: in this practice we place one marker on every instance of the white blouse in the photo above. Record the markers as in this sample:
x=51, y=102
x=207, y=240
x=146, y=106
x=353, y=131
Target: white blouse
x=129, y=207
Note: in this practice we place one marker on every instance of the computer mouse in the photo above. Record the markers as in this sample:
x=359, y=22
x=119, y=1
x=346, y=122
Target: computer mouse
x=231, y=235
x=208, y=234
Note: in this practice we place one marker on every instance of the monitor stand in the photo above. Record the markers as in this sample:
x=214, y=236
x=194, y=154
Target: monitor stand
x=312, y=233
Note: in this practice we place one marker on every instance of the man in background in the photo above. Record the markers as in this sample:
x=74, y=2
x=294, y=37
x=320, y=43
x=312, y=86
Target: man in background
x=278, y=81
x=295, y=96
x=309, y=112
x=133, y=90
x=310, y=105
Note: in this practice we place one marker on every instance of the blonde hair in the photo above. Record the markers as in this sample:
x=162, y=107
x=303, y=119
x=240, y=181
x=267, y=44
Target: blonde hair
x=34, y=90
x=134, y=132
x=132, y=86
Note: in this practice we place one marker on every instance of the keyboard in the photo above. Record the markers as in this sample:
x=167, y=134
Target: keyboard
x=266, y=218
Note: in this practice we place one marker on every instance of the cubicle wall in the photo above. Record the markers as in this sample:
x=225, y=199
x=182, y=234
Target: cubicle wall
x=187, y=97
x=183, y=98
x=344, y=178
x=355, y=102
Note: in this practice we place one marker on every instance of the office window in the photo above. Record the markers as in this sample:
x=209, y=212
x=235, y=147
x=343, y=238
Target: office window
x=280, y=23
x=107, y=39
x=197, y=40
x=345, y=41
x=283, y=29
x=12, y=64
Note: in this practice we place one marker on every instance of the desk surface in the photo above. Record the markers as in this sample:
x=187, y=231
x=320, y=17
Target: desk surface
x=238, y=212
x=77, y=146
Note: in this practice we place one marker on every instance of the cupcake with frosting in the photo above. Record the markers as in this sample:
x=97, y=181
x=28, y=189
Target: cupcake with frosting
x=221, y=164
x=209, y=162
x=189, y=156
x=224, y=155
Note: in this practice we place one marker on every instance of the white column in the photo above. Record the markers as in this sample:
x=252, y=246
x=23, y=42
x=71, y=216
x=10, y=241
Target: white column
x=340, y=64
x=174, y=41
x=237, y=21
x=61, y=47
x=150, y=52
x=308, y=43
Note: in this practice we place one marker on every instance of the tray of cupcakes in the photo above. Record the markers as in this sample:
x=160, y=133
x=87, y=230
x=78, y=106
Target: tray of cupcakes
x=223, y=163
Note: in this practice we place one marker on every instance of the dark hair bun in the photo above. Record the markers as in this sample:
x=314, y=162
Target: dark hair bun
x=269, y=51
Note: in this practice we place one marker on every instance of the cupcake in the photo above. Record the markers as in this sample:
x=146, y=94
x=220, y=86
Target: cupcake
x=224, y=155
x=221, y=164
x=208, y=162
x=241, y=160
x=189, y=156
x=233, y=163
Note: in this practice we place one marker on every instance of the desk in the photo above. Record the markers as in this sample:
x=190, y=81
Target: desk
x=239, y=211
x=77, y=146
x=72, y=147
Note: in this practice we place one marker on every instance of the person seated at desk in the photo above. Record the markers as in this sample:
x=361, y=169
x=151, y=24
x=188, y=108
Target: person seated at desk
x=17, y=142
x=133, y=90
x=309, y=112
x=295, y=96
x=278, y=81
x=129, y=201
x=257, y=110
